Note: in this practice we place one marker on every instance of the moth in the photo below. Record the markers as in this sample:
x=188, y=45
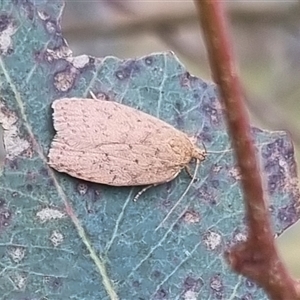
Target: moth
x=110, y=143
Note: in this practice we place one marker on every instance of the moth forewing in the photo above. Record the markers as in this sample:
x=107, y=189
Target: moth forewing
x=111, y=143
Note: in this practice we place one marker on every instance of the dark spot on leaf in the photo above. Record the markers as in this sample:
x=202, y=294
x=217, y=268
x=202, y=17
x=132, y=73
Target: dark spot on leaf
x=156, y=274
x=91, y=60
x=126, y=71
x=279, y=143
x=13, y=164
x=271, y=166
x=148, y=60
x=161, y=294
x=179, y=121
x=193, y=284
x=82, y=188
x=38, y=55
x=271, y=208
x=205, y=135
x=178, y=105
x=247, y=296
x=204, y=85
x=216, y=283
x=277, y=148
x=5, y=217
x=168, y=186
x=14, y=194
x=185, y=79
x=55, y=283
x=97, y=193
x=31, y=176
x=51, y=27
x=188, y=75
x=197, y=95
x=122, y=75
x=205, y=194
x=287, y=215
x=103, y=96
x=208, y=110
x=10, y=51
x=167, y=203
x=136, y=284
x=28, y=8
x=5, y=20
x=29, y=187
x=215, y=183
x=176, y=227
x=2, y=202
x=288, y=154
x=274, y=182
x=249, y=284
x=50, y=182
x=44, y=172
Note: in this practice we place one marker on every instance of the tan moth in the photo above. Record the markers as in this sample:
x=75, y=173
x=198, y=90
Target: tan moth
x=110, y=143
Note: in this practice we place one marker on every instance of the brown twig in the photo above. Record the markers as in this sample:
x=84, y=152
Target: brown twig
x=256, y=258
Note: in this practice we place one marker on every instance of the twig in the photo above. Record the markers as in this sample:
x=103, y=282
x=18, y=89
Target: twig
x=256, y=258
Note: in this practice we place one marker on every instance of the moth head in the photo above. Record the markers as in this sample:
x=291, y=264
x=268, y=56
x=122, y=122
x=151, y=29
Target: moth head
x=198, y=153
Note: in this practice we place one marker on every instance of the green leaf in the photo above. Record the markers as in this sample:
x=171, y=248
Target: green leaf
x=63, y=238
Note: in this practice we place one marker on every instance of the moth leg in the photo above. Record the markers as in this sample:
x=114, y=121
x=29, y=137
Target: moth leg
x=143, y=191
x=188, y=170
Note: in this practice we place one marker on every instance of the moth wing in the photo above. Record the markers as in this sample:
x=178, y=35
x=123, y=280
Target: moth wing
x=116, y=164
x=110, y=143
x=88, y=123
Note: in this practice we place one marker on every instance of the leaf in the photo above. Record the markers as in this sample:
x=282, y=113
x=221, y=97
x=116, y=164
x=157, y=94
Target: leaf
x=62, y=238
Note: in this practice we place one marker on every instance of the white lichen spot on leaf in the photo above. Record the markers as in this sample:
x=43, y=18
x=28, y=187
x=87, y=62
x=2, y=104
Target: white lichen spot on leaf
x=48, y=214
x=239, y=237
x=191, y=217
x=216, y=168
x=6, y=36
x=59, y=53
x=212, y=240
x=63, y=81
x=14, y=145
x=56, y=238
x=190, y=295
x=80, y=61
x=19, y=280
x=234, y=172
x=16, y=253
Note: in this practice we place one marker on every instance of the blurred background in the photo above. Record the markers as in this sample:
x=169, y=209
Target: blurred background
x=266, y=36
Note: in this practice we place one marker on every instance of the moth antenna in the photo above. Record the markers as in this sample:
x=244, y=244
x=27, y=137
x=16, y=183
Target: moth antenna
x=221, y=151
x=182, y=196
x=215, y=152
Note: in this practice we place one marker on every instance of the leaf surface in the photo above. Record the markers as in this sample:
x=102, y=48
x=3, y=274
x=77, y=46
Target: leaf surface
x=63, y=238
